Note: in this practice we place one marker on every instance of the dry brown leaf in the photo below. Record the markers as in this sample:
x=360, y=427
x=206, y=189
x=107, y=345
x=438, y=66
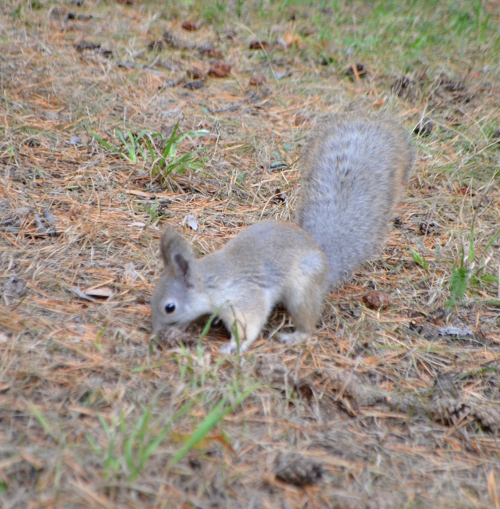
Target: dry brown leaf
x=288, y=40
x=301, y=119
x=204, y=444
x=104, y=292
x=379, y=103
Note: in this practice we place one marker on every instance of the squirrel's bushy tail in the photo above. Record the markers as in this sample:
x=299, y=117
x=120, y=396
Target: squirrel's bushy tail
x=355, y=170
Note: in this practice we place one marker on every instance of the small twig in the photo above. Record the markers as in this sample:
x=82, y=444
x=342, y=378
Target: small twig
x=227, y=108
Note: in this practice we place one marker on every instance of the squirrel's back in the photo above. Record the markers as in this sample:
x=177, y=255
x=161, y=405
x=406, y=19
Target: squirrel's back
x=355, y=170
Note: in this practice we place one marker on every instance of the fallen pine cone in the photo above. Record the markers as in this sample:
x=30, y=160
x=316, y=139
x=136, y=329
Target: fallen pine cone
x=257, y=80
x=190, y=26
x=297, y=470
x=259, y=45
x=377, y=300
x=195, y=74
x=219, y=69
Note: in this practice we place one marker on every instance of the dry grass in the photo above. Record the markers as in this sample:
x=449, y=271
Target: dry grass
x=378, y=410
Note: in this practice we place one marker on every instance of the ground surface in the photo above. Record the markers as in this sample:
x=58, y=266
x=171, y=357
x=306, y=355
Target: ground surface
x=382, y=408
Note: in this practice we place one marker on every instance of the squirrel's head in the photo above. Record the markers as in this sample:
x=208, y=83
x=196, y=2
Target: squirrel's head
x=176, y=299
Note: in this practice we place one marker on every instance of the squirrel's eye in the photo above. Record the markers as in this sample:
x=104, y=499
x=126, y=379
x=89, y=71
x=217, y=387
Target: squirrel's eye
x=170, y=308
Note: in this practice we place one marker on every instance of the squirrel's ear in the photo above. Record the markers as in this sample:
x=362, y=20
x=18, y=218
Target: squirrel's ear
x=176, y=252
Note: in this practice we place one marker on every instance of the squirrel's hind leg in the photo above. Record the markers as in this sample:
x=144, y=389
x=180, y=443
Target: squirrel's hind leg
x=305, y=309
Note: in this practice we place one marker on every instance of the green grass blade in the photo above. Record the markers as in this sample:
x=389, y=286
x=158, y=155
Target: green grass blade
x=192, y=134
x=141, y=151
x=143, y=427
x=131, y=158
x=97, y=449
x=177, y=162
x=104, y=425
x=150, y=148
x=419, y=258
x=128, y=450
x=215, y=416
x=489, y=278
x=236, y=337
x=170, y=142
x=154, y=444
x=123, y=424
x=201, y=432
x=43, y=422
x=105, y=143
x=205, y=330
x=471, y=245
x=181, y=138
x=132, y=146
x=491, y=242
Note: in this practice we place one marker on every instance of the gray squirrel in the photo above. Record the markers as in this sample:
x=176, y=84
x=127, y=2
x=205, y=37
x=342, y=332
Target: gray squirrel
x=356, y=167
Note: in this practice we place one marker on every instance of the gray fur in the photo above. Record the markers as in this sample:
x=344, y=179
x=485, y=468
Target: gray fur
x=355, y=170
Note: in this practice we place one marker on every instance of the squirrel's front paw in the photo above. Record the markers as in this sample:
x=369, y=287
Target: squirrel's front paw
x=293, y=337
x=229, y=348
